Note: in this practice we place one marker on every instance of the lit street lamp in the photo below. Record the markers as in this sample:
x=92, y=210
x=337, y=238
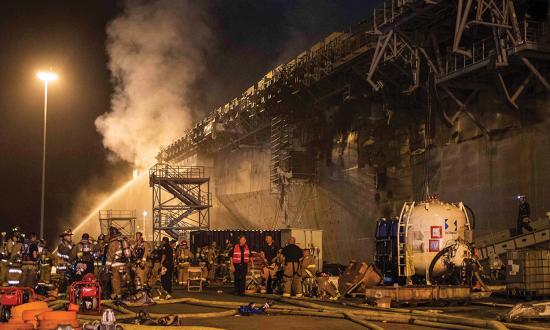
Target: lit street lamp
x=46, y=77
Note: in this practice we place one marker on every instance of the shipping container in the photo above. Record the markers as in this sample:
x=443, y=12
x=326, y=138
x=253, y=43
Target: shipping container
x=528, y=272
x=255, y=239
x=305, y=238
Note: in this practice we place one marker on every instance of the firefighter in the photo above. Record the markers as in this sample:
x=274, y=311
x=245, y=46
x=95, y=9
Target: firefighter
x=118, y=255
x=167, y=262
x=308, y=266
x=141, y=252
x=524, y=215
x=228, y=248
x=292, y=278
x=84, y=256
x=99, y=255
x=44, y=263
x=15, y=245
x=212, y=260
x=228, y=252
x=154, y=259
x=183, y=257
x=202, y=255
x=4, y=259
x=269, y=253
x=29, y=257
x=63, y=259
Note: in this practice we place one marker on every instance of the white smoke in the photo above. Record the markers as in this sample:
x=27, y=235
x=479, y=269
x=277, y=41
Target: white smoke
x=155, y=50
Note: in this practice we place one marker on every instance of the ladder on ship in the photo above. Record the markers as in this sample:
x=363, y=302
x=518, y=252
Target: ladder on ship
x=402, y=228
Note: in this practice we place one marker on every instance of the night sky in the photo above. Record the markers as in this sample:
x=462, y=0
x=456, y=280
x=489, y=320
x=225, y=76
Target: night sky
x=249, y=39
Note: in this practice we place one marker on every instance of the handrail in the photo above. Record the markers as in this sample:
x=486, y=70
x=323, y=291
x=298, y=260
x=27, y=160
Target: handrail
x=169, y=171
x=484, y=49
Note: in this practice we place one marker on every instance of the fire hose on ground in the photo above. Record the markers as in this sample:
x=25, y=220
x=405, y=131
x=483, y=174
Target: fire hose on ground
x=362, y=315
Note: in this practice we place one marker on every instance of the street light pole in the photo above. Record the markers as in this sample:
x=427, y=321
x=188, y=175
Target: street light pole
x=44, y=160
x=46, y=77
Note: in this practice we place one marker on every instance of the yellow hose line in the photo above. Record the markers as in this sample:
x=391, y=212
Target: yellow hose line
x=496, y=325
x=305, y=308
x=121, y=309
x=198, y=315
x=86, y=317
x=366, y=324
x=160, y=327
x=215, y=303
x=524, y=327
x=306, y=313
x=442, y=318
x=440, y=325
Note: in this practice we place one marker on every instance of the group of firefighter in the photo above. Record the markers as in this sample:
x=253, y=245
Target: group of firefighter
x=130, y=265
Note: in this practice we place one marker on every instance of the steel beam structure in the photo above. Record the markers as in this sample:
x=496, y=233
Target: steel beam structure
x=397, y=51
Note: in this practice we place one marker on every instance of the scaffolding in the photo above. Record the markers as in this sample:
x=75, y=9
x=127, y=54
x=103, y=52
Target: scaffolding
x=181, y=200
x=123, y=220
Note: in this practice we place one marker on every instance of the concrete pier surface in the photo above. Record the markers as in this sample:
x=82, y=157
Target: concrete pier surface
x=303, y=322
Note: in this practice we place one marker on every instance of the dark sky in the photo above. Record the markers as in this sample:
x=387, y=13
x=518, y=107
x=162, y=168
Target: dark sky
x=250, y=38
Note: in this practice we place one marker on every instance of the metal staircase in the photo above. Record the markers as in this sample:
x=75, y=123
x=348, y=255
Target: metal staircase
x=181, y=199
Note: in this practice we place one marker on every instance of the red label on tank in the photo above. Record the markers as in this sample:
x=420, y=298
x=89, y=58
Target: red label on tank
x=436, y=231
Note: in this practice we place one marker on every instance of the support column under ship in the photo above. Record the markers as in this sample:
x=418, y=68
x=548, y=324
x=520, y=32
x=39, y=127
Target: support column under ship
x=181, y=200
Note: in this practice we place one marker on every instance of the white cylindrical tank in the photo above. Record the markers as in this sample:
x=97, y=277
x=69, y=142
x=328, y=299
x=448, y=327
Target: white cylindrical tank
x=431, y=226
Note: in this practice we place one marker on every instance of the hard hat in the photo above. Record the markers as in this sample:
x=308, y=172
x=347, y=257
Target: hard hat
x=85, y=236
x=67, y=232
x=113, y=231
x=15, y=229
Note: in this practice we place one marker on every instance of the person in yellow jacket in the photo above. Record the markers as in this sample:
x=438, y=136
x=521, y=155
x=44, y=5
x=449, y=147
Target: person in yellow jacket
x=44, y=262
x=118, y=256
x=212, y=260
x=141, y=252
x=4, y=259
x=308, y=267
x=183, y=257
x=15, y=247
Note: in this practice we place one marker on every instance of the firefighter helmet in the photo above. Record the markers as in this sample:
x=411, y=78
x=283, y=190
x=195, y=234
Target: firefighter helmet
x=113, y=231
x=67, y=232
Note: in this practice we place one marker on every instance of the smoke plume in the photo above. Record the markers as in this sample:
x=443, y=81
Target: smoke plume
x=155, y=50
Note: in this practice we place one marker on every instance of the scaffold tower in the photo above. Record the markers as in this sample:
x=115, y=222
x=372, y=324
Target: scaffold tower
x=181, y=200
x=123, y=220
